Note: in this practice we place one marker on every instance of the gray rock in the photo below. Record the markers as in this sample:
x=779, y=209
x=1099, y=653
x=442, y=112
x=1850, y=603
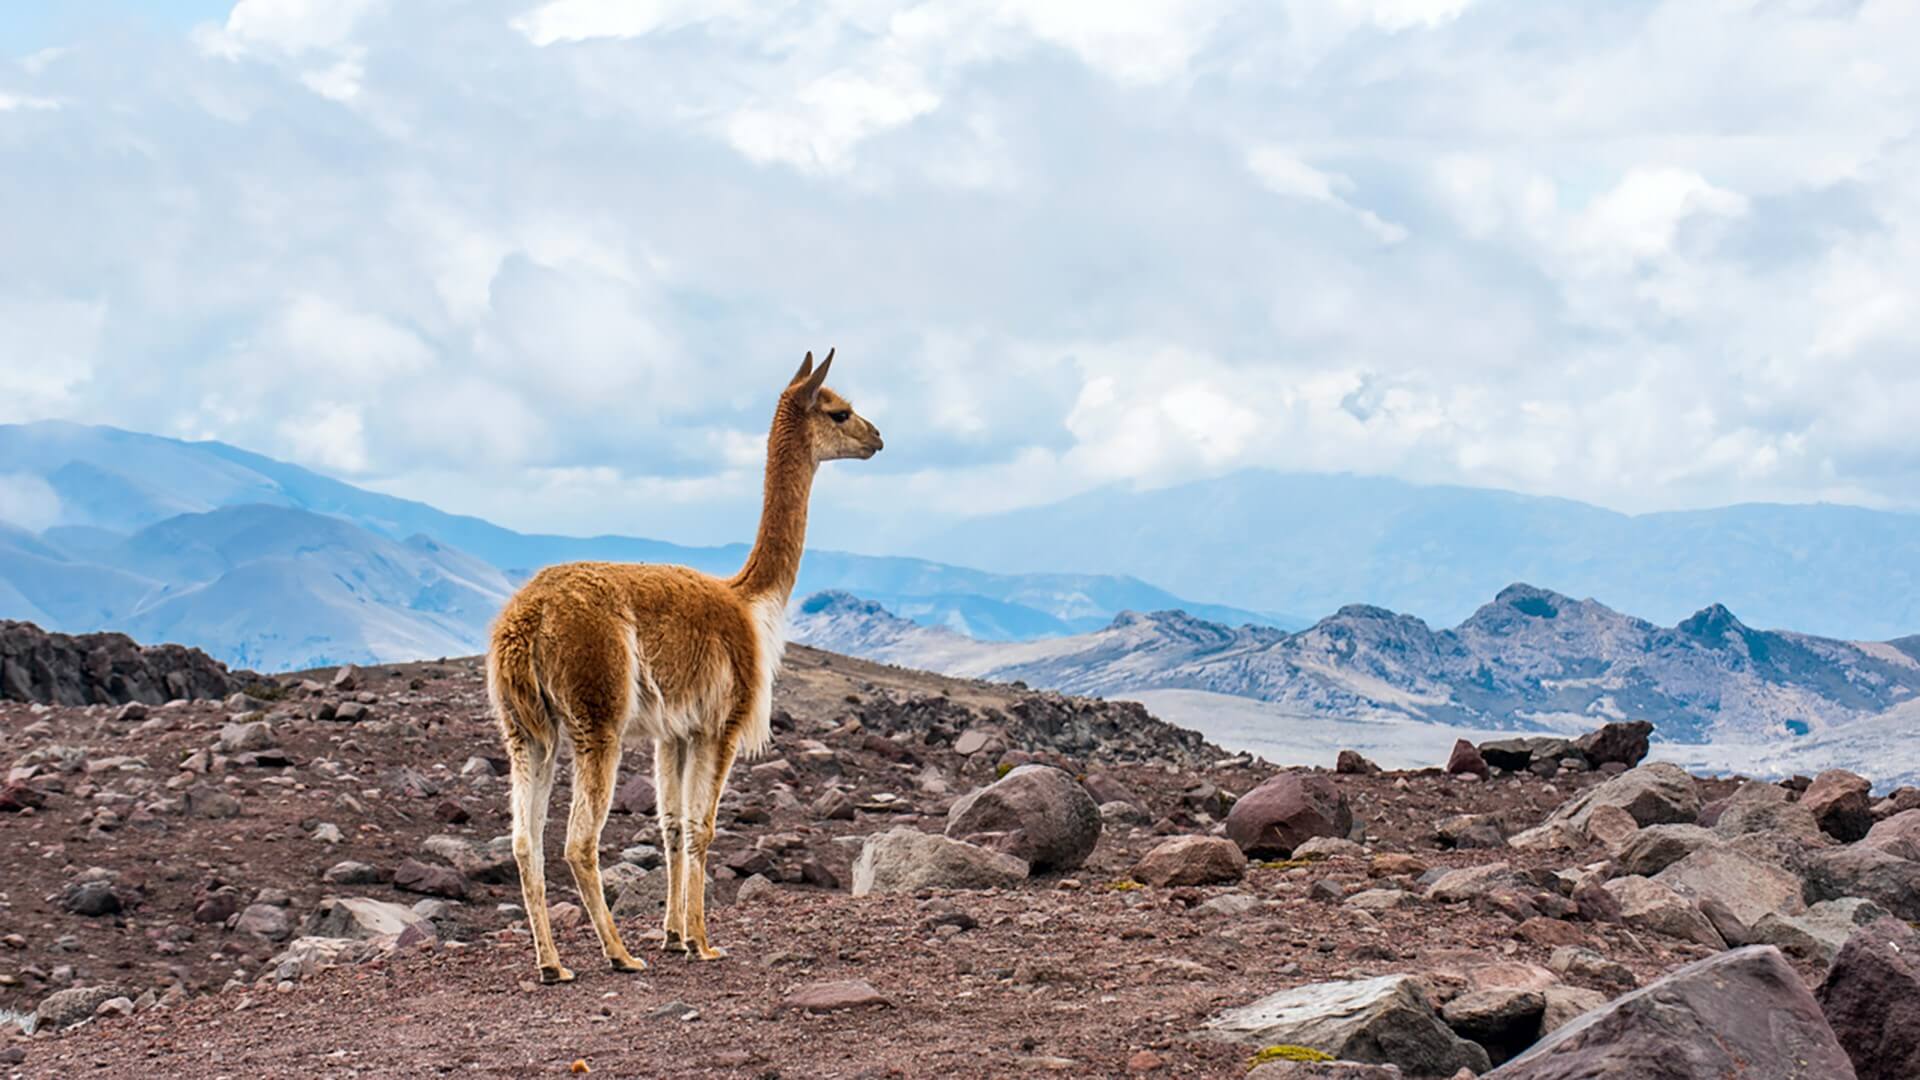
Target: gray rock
x=363, y=918
x=211, y=802
x=1859, y=870
x=1650, y=905
x=1565, y=1004
x=1738, y=1014
x=1819, y=934
x=1657, y=847
x=1897, y=834
x=306, y=955
x=1469, y=882
x=1618, y=743
x=1735, y=892
x=64, y=1008
x=1760, y=807
x=264, y=921
x=1503, y=1020
x=1655, y=794
x=1841, y=804
x=348, y=872
x=414, y=876
x=241, y=738
x=1040, y=813
x=491, y=862
x=1384, y=1020
x=903, y=860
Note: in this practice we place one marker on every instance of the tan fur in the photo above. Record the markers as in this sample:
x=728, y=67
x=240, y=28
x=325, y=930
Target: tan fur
x=594, y=653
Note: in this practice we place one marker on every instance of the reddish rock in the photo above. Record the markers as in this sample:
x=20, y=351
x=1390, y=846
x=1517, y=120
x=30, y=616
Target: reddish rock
x=1841, y=803
x=834, y=996
x=1145, y=1061
x=1191, y=860
x=1466, y=759
x=415, y=876
x=1738, y=1014
x=1286, y=811
x=1871, y=996
x=1351, y=763
x=1622, y=743
x=16, y=797
x=1897, y=835
x=636, y=796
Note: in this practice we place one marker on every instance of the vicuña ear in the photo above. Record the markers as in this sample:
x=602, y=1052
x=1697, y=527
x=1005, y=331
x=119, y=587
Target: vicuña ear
x=810, y=388
x=806, y=369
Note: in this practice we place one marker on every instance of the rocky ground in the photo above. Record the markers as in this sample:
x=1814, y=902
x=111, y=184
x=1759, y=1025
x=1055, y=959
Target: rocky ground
x=306, y=882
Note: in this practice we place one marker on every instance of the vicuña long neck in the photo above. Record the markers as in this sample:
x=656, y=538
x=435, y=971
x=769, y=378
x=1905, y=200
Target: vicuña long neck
x=774, y=563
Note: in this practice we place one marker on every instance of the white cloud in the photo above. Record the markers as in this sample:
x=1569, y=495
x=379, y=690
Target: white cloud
x=296, y=26
x=24, y=103
x=586, y=20
x=1284, y=174
x=27, y=502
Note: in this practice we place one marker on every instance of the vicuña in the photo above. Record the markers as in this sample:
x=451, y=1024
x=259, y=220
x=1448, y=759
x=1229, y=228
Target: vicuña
x=595, y=652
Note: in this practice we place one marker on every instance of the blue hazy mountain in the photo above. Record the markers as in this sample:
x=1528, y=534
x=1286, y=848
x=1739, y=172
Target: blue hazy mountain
x=1315, y=543
x=271, y=566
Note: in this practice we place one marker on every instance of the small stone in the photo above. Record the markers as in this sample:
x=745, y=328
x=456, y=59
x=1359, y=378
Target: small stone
x=835, y=996
x=1466, y=758
x=1191, y=860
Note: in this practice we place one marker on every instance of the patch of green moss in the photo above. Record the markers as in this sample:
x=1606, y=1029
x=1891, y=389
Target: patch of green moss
x=1124, y=885
x=1288, y=864
x=1002, y=769
x=1288, y=1052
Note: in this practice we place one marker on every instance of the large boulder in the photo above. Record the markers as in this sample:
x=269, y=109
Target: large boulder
x=1036, y=812
x=1656, y=794
x=1740, y=1014
x=1191, y=860
x=1657, y=847
x=1871, y=996
x=1841, y=803
x=1650, y=905
x=904, y=860
x=1623, y=742
x=1466, y=759
x=1897, y=835
x=1384, y=1020
x=1859, y=870
x=1819, y=934
x=1286, y=811
x=1735, y=892
x=1767, y=808
x=1505, y=1020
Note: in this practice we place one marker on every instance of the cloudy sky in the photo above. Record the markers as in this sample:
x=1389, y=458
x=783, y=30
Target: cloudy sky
x=549, y=261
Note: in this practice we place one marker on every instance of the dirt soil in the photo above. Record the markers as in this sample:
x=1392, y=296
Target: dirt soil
x=1078, y=975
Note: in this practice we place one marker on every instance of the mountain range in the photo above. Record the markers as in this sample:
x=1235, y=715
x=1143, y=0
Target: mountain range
x=1313, y=543
x=1529, y=660
x=271, y=566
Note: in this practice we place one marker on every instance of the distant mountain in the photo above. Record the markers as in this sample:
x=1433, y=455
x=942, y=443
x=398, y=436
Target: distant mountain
x=1307, y=543
x=270, y=566
x=1532, y=659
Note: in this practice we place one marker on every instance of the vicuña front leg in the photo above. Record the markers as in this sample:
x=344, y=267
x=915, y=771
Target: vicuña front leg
x=709, y=773
x=530, y=771
x=668, y=763
x=595, y=767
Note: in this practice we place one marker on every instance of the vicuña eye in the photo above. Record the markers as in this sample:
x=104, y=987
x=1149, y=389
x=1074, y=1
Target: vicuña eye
x=840, y=416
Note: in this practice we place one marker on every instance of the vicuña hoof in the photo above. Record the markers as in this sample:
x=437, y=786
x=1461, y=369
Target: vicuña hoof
x=554, y=973
x=627, y=964
x=674, y=943
x=709, y=952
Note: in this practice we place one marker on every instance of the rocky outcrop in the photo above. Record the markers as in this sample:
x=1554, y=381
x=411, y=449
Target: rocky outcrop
x=1036, y=812
x=1739, y=1014
x=1871, y=996
x=102, y=669
x=1287, y=810
x=903, y=860
x=1385, y=1020
x=1733, y=891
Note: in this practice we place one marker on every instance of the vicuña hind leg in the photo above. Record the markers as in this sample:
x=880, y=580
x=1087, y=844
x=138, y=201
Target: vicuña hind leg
x=706, y=779
x=668, y=755
x=595, y=767
x=530, y=771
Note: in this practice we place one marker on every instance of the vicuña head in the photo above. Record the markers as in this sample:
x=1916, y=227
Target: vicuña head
x=596, y=652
